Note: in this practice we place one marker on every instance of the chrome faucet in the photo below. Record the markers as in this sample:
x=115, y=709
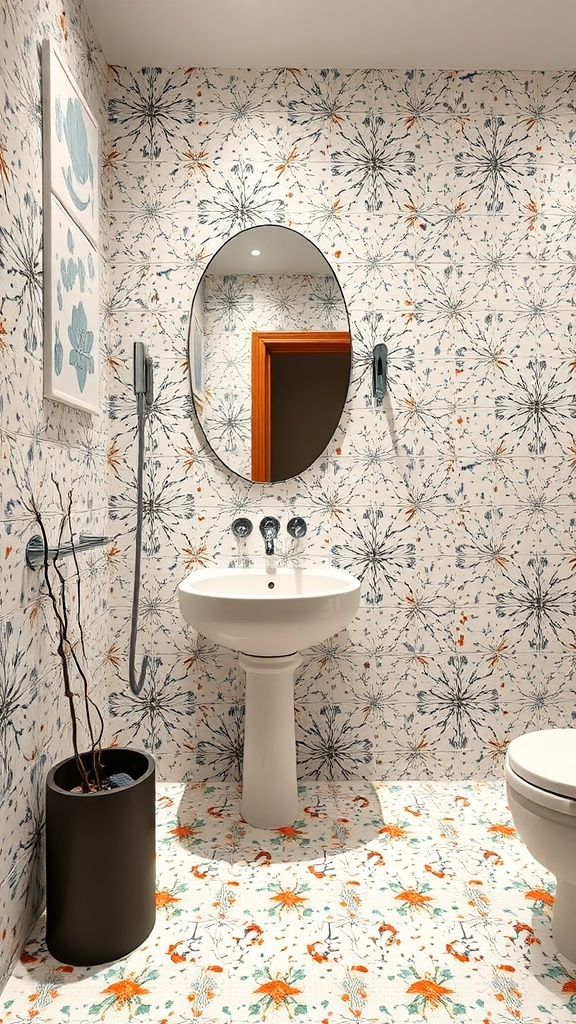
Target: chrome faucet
x=269, y=528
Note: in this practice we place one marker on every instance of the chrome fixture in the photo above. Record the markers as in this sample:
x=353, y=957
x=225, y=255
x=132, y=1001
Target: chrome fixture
x=379, y=373
x=144, y=392
x=269, y=528
x=297, y=527
x=35, y=549
x=241, y=528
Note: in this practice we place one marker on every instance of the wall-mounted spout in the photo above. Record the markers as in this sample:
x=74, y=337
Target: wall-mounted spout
x=269, y=528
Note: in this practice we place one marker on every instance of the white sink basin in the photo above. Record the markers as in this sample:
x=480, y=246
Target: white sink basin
x=269, y=614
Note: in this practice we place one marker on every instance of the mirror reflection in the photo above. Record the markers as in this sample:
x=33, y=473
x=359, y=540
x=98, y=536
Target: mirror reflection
x=269, y=353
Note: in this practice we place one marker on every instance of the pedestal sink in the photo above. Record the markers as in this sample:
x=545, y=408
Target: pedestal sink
x=269, y=616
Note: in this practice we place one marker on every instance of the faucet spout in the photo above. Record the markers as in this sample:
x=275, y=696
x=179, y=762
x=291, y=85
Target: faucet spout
x=269, y=528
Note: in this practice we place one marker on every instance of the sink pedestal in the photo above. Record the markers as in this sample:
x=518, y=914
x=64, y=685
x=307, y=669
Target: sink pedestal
x=269, y=614
x=269, y=783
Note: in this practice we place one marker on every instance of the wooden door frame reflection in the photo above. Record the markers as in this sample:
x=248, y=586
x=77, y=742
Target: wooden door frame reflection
x=266, y=344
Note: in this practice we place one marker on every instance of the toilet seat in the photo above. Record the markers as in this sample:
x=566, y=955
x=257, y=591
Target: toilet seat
x=546, y=759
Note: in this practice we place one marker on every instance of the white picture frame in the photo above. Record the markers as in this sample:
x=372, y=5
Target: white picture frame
x=70, y=144
x=72, y=313
x=70, y=237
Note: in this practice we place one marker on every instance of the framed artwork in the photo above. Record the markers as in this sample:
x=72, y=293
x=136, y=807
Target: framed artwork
x=71, y=181
x=70, y=144
x=71, y=311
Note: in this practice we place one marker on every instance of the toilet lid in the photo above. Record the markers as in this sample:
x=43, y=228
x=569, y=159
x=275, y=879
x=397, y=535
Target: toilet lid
x=546, y=758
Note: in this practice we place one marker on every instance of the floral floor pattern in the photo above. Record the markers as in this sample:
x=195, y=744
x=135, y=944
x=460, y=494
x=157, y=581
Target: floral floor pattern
x=384, y=902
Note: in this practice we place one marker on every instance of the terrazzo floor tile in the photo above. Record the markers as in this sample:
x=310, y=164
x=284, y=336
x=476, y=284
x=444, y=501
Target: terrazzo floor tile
x=391, y=902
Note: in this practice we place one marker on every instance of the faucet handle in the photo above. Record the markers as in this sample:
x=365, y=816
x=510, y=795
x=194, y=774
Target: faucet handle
x=297, y=527
x=241, y=528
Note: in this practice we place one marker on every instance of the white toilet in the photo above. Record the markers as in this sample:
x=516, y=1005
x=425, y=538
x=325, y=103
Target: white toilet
x=541, y=789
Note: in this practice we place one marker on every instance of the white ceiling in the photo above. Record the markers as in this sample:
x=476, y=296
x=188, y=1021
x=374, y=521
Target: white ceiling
x=448, y=34
x=282, y=251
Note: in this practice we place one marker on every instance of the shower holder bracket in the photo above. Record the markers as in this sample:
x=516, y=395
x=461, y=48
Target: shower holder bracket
x=35, y=549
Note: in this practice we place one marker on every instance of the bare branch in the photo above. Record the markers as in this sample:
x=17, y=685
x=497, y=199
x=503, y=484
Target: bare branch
x=66, y=649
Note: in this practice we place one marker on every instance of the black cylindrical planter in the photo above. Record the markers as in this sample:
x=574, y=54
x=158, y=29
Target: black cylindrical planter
x=100, y=861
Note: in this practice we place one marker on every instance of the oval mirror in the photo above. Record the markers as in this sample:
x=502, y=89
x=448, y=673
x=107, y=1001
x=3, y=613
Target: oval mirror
x=269, y=353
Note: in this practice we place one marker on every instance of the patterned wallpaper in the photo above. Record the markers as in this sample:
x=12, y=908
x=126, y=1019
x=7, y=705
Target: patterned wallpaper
x=234, y=306
x=445, y=203
x=38, y=439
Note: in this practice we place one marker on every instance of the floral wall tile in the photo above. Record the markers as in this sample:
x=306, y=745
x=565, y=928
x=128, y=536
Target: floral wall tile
x=41, y=441
x=423, y=189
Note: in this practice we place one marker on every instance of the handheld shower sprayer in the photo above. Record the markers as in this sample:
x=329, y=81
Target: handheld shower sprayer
x=144, y=392
x=143, y=377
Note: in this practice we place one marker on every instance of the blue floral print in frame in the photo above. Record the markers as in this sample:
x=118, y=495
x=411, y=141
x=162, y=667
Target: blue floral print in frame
x=71, y=309
x=70, y=144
